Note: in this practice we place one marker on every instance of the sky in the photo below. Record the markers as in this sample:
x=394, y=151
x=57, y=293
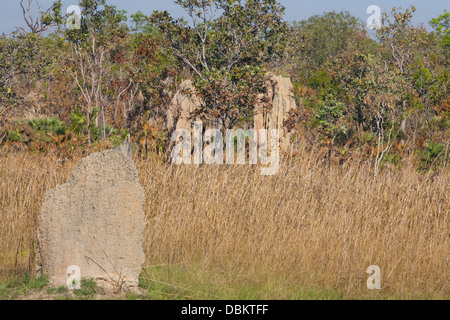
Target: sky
x=296, y=10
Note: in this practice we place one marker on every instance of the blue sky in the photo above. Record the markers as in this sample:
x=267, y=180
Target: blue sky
x=11, y=14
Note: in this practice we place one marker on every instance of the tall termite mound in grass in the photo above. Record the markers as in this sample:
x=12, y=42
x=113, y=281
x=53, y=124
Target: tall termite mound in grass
x=184, y=104
x=95, y=222
x=182, y=107
x=283, y=102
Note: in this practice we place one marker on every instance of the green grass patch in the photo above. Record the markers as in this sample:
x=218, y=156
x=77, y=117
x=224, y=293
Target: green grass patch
x=180, y=282
x=195, y=282
x=14, y=287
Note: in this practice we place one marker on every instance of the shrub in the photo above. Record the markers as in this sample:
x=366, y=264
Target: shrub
x=434, y=156
x=14, y=135
x=49, y=125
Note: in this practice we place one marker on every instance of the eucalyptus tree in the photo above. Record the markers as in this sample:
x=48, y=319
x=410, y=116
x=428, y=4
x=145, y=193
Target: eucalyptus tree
x=226, y=45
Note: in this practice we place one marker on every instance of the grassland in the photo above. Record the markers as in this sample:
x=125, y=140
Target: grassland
x=226, y=232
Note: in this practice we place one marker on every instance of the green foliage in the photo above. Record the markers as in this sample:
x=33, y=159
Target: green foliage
x=317, y=31
x=421, y=76
x=329, y=115
x=442, y=26
x=153, y=71
x=125, y=76
x=88, y=287
x=14, y=135
x=140, y=23
x=21, y=55
x=320, y=82
x=391, y=157
x=440, y=123
x=49, y=125
x=226, y=53
x=99, y=20
x=118, y=136
x=312, y=47
x=61, y=289
x=78, y=125
x=53, y=16
x=247, y=32
x=12, y=288
x=433, y=156
x=367, y=137
x=35, y=283
x=230, y=98
x=78, y=122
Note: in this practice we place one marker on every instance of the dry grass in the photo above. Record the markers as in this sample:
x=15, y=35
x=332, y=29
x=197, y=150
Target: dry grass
x=24, y=179
x=308, y=226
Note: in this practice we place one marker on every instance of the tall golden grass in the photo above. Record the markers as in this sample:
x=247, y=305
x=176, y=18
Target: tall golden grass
x=310, y=225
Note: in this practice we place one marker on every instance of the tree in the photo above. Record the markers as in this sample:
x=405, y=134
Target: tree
x=313, y=48
x=413, y=51
x=396, y=34
x=25, y=54
x=226, y=53
x=143, y=75
x=24, y=58
x=441, y=88
x=91, y=45
x=246, y=32
x=330, y=116
x=230, y=98
x=44, y=20
x=442, y=26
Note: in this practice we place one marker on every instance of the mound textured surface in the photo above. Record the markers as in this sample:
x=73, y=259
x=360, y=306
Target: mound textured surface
x=95, y=221
x=183, y=105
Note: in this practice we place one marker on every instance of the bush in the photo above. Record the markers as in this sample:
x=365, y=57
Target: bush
x=367, y=137
x=78, y=122
x=14, y=135
x=434, y=156
x=49, y=125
